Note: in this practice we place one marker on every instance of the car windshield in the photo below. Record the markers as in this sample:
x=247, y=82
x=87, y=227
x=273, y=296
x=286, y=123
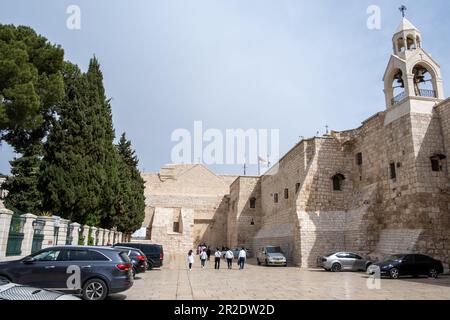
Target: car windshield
x=274, y=250
x=394, y=258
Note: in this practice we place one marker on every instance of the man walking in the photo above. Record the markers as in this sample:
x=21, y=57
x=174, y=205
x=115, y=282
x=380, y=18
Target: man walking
x=217, y=256
x=203, y=257
x=242, y=257
x=229, y=257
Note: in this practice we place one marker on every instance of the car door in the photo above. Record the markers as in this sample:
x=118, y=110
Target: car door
x=41, y=272
x=357, y=262
x=407, y=266
x=345, y=260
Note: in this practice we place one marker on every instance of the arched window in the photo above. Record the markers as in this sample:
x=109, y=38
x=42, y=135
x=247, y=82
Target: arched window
x=252, y=203
x=398, y=87
x=338, y=180
x=418, y=42
x=401, y=45
x=423, y=82
x=411, y=43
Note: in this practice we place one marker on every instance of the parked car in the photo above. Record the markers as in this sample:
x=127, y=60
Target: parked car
x=408, y=265
x=340, y=261
x=13, y=291
x=153, y=252
x=138, y=259
x=271, y=256
x=102, y=270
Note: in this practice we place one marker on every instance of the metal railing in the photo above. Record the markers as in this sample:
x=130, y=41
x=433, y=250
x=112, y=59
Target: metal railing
x=427, y=93
x=398, y=98
x=421, y=93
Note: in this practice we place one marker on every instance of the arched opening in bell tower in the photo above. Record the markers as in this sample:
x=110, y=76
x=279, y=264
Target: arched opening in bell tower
x=411, y=42
x=424, y=81
x=398, y=87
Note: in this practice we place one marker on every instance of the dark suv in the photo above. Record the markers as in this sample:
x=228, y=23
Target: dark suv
x=153, y=252
x=101, y=270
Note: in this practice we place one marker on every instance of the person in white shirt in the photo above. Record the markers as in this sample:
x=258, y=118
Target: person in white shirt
x=229, y=256
x=190, y=259
x=203, y=257
x=217, y=256
x=241, y=258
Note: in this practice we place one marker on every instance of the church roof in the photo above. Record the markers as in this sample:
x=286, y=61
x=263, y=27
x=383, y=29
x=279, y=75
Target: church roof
x=405, y=25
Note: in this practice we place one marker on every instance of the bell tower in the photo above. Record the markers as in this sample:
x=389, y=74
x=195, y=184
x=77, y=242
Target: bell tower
x=412, y=80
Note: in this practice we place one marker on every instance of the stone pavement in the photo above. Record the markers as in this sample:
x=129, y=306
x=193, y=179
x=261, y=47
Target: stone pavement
x=174, y=281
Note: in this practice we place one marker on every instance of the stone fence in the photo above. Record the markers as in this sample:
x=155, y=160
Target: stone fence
x=27, y=233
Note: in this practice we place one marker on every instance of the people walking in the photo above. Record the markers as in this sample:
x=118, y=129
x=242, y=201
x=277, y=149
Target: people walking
x=190, y=259
x=229, y=257
x=241, y=258
x=203, y=257
x=217, y=256
x=208, y=252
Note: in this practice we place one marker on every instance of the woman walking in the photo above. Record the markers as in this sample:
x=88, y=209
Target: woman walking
x=190, y=259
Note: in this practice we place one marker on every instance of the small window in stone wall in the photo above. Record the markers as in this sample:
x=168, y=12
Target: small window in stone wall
x=286, y=193
x=359, y=159
x=436, y=162
x=275, y=197
x=338, y=180
x=392, y=171
x=253, y=203
x=297, y=187
x=176, y=227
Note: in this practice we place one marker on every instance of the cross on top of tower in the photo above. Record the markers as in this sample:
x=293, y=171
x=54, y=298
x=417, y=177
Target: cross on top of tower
x=403, y=9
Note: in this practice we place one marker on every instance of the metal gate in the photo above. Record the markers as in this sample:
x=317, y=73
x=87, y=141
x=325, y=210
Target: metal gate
x=15, y=237
x=69, y=237
x=38, y=235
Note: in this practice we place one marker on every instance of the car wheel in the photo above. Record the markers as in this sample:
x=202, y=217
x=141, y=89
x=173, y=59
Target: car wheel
x=394, y=273
x=368, y=265
x=95, y=289
x=258, y=262
x=433, y=273
x=336, y=267
x=4, y=279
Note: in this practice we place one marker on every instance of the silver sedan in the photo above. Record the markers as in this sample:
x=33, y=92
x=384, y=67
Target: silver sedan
x=341, y=261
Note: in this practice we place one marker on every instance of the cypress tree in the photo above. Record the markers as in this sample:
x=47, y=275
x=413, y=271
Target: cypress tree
x=71, y=179
x=131, y=204
x=106, y=155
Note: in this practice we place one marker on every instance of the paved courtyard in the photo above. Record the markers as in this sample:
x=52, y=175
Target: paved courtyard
x=173, y=281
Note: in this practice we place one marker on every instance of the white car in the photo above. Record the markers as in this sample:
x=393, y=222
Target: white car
x=271, y=256
x=12, y=291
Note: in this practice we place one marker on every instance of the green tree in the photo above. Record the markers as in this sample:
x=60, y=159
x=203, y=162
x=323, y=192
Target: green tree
x=131, y=203
x=80, y=178
x=106, y=156
x=31, y=85
x=71, y=179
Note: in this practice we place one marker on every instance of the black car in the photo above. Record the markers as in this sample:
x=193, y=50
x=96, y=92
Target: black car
x=153, y=252
x=95, y=272
x=138, y=259
x=408, y=265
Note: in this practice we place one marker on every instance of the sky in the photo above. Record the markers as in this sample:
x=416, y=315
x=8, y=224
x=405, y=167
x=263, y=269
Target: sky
x=291, y=65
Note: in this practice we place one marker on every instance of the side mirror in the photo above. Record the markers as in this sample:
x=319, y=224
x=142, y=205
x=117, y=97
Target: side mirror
x=28, y=260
